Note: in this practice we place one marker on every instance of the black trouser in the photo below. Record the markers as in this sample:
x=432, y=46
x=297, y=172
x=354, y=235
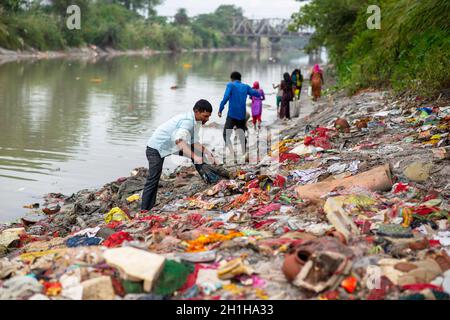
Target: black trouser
x=230, y=123
x=155, y=165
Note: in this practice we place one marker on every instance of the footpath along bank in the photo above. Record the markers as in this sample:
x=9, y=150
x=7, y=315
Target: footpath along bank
x=351, y=204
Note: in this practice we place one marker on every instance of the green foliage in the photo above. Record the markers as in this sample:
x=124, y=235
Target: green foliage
x=105, y=24
x=212, y=26
x=12, y=5
x=39, y=31
x=410, y=52
x=333, y=21
x=115, y=24
x=177, y=38
x=60, y=6
x=181, y=17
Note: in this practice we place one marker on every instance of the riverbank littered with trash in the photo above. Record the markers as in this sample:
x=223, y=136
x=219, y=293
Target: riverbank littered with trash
x=354, y=208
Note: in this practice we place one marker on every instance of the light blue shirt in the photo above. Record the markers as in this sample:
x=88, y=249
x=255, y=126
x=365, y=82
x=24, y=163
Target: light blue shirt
x=183, y=126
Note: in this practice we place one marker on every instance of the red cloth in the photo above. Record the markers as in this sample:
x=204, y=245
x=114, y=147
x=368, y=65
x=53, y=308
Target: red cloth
x=434, y=243
x=267, y=209
x=400, y=187
x=421, y=286
x=308, y=140
x=430, y=197
x=279, y=181
x=116, y=239
x=114, y=224
x=262, y=223
x=289, y=156
x=118, y=287
x=217, y=225
x=319, y=138
x=322, y=142
x=196, y=219
x=376, y=294
x=191, y=278
x=253, y=184
x=424, y=210
x=331, y=295
x=153, y=218
x=321, y=132
x=256, y=118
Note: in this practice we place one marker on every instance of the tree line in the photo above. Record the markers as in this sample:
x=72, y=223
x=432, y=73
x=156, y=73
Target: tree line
x=118, y=24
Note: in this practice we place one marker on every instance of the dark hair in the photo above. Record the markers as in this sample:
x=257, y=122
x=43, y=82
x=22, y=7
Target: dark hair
x=287, y=77
x=288, y=80
x=202, y=106
x=235, y=76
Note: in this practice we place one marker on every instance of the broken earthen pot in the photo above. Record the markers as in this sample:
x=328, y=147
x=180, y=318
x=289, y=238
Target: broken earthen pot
x=301, y=254
x=338, y=235
x=294, y=262
x=361, y=124
x=342, y=125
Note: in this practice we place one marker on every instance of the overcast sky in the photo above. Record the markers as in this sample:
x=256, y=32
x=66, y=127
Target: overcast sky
x=252, y=8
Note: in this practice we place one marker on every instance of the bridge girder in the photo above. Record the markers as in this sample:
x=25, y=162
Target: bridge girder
x=271, y=28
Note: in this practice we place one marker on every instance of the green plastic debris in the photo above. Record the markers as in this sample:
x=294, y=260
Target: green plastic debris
x=132, y=286
x=173, y=277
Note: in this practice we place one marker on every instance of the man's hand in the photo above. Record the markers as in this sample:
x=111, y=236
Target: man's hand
x=210, y=157
x=211, y=160
x=187, y=152
x=220, y=114
x=197, y=159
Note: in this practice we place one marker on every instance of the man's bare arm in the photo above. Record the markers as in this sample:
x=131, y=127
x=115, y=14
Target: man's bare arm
x=203, y=150
x=186, y=149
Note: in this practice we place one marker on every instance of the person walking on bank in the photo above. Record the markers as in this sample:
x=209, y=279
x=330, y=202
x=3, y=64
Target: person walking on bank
x=297, y=82
x=279, y=96
x=236, y=94
x=286, y=86
x=316, y=79
x=177, y=136
x=257, y=105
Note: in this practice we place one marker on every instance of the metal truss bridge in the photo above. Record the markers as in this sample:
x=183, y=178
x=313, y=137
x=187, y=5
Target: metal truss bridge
x=271, y=28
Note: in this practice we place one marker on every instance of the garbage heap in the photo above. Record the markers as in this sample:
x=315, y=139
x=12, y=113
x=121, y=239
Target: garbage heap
x=352, y=203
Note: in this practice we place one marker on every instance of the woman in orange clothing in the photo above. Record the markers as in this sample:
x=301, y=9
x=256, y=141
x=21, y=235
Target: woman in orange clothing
x=316, y=79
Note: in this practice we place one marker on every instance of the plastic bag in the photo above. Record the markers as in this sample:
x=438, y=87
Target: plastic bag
x=211, y=174
x=115, y=214
x=133, y=198
x=309, y=91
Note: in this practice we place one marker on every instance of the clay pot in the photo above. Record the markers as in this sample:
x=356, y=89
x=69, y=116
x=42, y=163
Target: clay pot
x=342, y=125
x=443, y=260
x=294, y=262
x=361, y=124
x=419, y=245
x=338, y=235
x=51, y=210
x=405, y=266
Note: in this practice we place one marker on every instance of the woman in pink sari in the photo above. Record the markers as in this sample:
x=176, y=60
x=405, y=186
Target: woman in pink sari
x=316, y=79
x=257, y=105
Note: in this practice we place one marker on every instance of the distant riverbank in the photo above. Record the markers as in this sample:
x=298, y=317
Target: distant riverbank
x=94, y=51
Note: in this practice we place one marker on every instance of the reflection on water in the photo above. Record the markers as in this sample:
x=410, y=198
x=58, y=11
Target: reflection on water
x=73, y=124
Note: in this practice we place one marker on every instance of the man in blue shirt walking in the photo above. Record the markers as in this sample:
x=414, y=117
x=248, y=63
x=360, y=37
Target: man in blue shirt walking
x=236, y=94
